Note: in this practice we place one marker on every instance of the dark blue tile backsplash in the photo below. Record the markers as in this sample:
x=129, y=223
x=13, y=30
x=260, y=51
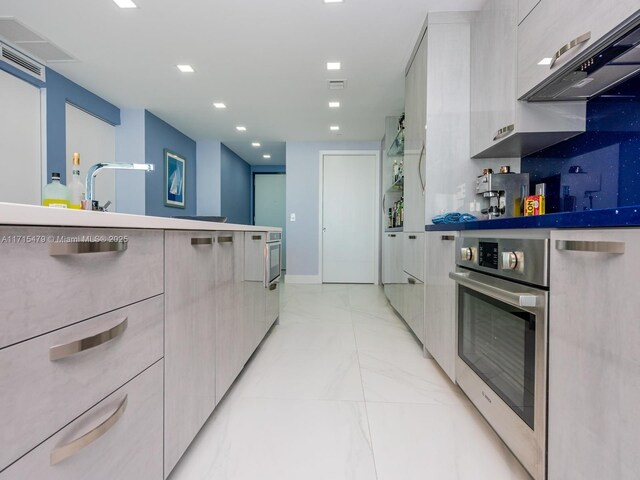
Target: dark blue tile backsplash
x=600, y=168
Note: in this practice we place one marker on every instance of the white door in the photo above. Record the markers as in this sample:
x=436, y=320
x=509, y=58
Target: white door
x=95, y=141
x=20, y=162
x=270, y=205
x=349, y=209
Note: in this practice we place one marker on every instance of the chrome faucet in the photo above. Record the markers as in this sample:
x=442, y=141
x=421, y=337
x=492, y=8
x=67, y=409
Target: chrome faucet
x=95, y=169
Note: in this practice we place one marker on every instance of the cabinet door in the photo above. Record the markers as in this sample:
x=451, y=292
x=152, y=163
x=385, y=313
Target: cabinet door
x=231, y=329
x=190, y=338
x=413, y=306
x=553, y=24
x=413, y=255
x=594, y=366
x=393, y=276
x=129, y=447
x=414, y=145
x=493, y=72
x=440, y=300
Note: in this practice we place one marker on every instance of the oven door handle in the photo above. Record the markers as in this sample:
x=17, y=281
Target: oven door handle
x=516, y=299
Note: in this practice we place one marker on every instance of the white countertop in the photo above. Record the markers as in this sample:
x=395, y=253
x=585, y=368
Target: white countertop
x=17, y=214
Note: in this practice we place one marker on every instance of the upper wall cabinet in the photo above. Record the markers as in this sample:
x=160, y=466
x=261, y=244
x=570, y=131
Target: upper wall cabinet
x=563, y=31
x=502, y=126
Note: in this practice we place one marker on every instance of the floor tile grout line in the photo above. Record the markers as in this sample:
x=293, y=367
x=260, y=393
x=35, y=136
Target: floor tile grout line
x=366, y=410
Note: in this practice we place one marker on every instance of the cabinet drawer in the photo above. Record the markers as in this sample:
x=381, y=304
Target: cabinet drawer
x=130, y=446
x=47, y=394
x=413, y=255
x=40, y=292
x=254, y=248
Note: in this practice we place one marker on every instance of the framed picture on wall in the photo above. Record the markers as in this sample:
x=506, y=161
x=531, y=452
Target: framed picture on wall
x=174, y=179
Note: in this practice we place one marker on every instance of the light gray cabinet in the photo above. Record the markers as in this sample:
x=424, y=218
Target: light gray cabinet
x=122, y=439
x=103, y=269
x=594, y=367
x=71, y=369
x=413, y=305
x=190, y=337
x=553, y=24
x=392, y=274
x=231, y=327
x=255, y=296
x=414, y=139
x=502, y=126
x=413, y=254
x=440, y=300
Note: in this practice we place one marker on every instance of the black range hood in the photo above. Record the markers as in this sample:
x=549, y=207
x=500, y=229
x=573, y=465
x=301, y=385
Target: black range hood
x=596, y=71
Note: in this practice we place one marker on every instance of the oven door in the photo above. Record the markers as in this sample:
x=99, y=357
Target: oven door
x=272, y=263
x=502, y=360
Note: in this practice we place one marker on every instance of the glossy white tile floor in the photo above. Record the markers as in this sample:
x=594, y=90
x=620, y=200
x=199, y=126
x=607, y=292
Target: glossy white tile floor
x=340, y=390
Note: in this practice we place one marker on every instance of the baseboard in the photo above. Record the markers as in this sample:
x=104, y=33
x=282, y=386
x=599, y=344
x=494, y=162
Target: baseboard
x=303, y=279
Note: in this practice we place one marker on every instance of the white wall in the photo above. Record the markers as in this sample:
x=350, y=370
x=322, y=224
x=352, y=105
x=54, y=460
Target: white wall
x=208, y=178
x=20, y=141
x=303, y=198
x=130, y=148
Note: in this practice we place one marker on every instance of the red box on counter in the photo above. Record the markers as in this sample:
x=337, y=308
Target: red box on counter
x=534, y=205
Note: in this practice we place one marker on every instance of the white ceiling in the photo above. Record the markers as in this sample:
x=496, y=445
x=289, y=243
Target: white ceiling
x=264, y=58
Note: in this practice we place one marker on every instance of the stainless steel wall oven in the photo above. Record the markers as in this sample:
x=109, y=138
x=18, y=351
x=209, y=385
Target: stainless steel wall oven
x=502, y=313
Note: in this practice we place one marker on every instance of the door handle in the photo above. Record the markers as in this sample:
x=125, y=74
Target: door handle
x=412, y=237
x=202, y=241
x=516, y=299
x=411, y=281
x=585, y=37
x=225, y=239
x=593, y=247
x=63, y=452
x=448, y=238
x=76, y=248
x=256, y=237
x=59, y=352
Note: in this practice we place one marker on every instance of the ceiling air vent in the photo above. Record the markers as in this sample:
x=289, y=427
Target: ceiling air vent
x=337, y=84
x=22, y=62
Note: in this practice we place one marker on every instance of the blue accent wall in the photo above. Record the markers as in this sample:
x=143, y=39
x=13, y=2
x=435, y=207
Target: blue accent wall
x=235, y=187
x=158, y=136
x=60, y=91
x=599, y=169
x=261, y=169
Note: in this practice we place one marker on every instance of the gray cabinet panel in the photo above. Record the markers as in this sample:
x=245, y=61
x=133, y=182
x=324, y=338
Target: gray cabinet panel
x=190, y=338
x=130, y=449
x=594, y=367
x=36, y=386
x=40, y=293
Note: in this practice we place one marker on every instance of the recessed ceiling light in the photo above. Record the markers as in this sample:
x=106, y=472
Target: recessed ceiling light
x=185, y=68
x=333, y=65
x=334, y=128
x=545, y=61
x=125, y=4
x=266, y=155
x=240, y=128
x=219, y=105
x=333, y=1
x=255, y=144
x=334, y=104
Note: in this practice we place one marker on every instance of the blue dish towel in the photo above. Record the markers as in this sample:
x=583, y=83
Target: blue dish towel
x=454, y=218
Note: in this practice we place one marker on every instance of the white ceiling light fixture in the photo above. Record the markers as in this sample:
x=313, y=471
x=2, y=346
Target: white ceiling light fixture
x=333, y=66
x=334, y=104
x=545, y=61
x=266, y=155
x=186, y=68
x=334, y=128
x=333, y=1
x=125, y=4
x=241, y=128
x=255, y=144
x=219, y=105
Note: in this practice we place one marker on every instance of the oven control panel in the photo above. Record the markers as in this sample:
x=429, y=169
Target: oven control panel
x=526, y=260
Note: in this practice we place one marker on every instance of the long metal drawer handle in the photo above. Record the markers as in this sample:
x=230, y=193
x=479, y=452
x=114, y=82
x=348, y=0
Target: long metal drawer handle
x=504, y=131
x=59, y=352
x=595, y=247
x=75, y=248
x=202, y=241
x=59, y=454
x=516, y=299
x=256, y=237
x=273, y=286
x=225, y=239
x=448, y=238
x=411, y=281
x=585, y=37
